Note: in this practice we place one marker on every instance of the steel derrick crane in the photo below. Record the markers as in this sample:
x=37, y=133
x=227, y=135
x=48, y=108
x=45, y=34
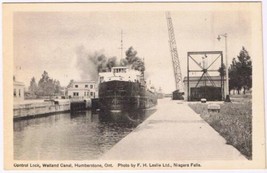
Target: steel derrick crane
x=174, y=55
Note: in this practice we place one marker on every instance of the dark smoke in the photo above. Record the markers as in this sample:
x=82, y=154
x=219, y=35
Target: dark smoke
x=91, y=64
x=124, y=62
x=134, y=61
x=112, y=62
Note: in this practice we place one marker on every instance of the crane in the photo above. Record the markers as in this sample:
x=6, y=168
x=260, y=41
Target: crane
x=175, y=59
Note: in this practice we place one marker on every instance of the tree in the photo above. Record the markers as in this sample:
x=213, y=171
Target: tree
x=70, y=83
x=244, y=67
x=48, y=86
x=57, y=87
x=240, y=72
x=43, y=84
x=33, y=88
x=221, y=70
x=234, y=81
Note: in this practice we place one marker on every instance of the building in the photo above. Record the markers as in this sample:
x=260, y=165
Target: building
x=83, y=89
x=211, y=88
x=18, y=90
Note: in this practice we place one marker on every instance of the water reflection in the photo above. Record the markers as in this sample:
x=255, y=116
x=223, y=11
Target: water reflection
x=73, y=136
x=130, y=118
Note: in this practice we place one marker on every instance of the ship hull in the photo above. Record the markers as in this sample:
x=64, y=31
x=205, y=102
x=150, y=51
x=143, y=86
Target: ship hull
x=125, y=96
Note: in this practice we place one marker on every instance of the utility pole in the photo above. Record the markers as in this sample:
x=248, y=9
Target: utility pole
x=227, y=96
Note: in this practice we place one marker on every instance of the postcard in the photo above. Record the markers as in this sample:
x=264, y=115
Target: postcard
x=133, y=86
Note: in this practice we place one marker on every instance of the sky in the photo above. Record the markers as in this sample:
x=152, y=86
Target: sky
x=50, y=40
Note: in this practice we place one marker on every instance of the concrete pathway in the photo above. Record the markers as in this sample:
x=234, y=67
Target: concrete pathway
x=173, y=132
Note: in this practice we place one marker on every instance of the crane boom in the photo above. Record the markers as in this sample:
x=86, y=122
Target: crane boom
x=174, y=54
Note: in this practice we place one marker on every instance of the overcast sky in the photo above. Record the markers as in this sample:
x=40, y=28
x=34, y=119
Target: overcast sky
x=49, y=40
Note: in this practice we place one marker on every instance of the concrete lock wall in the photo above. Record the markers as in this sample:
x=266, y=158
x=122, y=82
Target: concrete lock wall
x=27, y=110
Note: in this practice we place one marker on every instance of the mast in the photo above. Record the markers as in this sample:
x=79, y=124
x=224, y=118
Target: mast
x=121, y=48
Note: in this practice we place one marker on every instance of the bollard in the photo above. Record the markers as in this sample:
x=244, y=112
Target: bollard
x=203, y=100
x=214, y=107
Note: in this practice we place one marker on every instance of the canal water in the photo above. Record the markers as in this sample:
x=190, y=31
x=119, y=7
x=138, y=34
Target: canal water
x=73, y=136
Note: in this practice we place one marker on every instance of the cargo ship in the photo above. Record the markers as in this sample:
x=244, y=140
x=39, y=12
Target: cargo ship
x=124, y=89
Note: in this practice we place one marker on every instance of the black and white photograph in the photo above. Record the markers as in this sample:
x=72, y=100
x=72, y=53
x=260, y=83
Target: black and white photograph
x=133, y=86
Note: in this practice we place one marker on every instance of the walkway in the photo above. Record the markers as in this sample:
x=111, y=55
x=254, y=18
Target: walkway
x=173, y=132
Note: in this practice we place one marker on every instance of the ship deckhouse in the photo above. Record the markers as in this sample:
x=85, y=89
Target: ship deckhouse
x=120, y=74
